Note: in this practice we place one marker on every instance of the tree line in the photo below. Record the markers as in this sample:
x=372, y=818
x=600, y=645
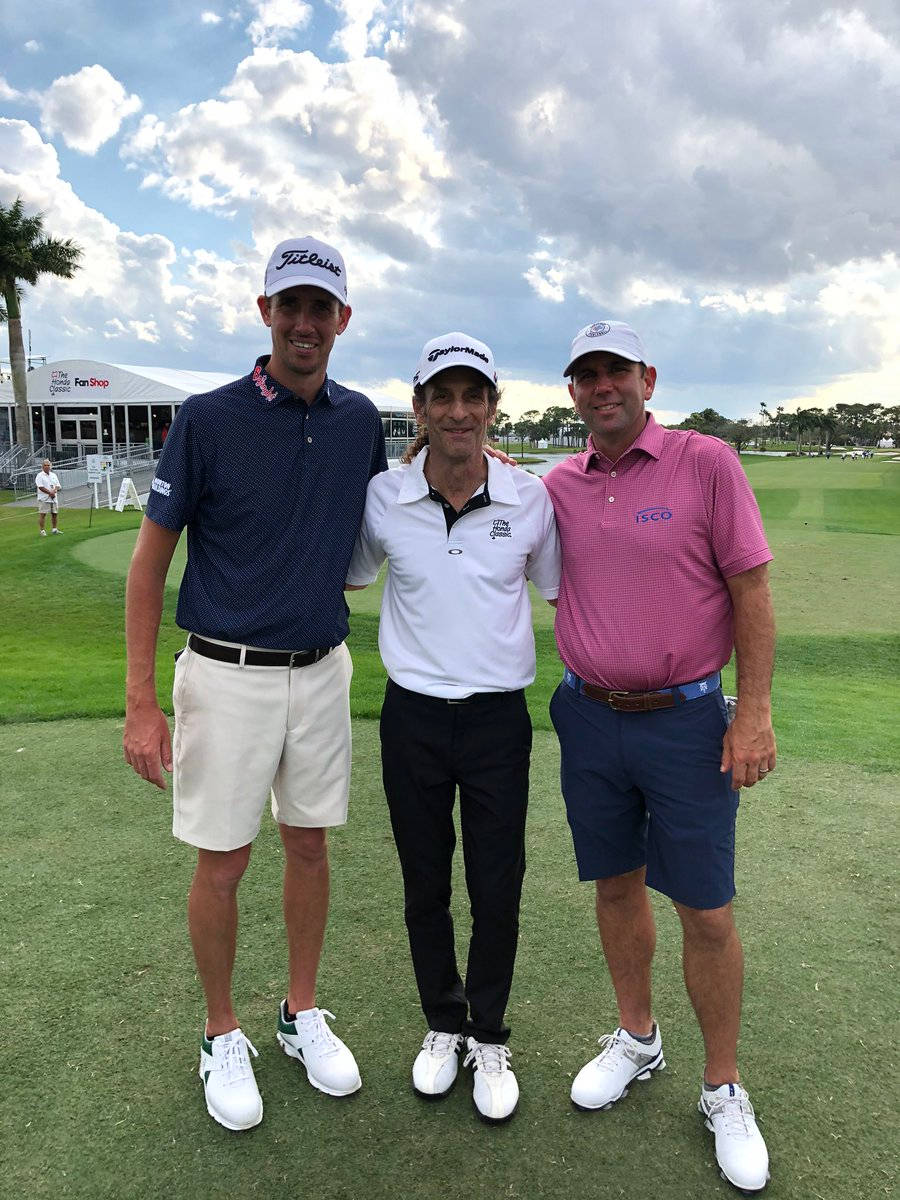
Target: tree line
x=806, y=430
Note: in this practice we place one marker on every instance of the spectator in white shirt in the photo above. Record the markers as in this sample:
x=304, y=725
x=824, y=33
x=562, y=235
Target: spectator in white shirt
x=48, y=488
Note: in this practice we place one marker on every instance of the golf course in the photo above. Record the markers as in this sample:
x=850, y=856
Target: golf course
x=104, y=1011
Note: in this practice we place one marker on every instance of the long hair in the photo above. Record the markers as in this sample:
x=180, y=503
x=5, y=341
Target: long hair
x=421, y=438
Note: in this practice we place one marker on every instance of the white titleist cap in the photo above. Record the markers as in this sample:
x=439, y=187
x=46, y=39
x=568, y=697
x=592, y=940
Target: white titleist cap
x=454, y=350
x=306, y=262
x=615, y=337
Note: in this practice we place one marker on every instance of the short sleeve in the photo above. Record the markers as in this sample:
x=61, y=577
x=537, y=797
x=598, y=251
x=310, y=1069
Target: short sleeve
x=379, y=452
x=738, y=538
x=543, y=564
x=368, y=553
x=178, y=483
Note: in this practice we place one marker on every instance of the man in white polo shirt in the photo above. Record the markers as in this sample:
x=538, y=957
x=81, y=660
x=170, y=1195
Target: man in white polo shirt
x=461, y=533
x=47, y=484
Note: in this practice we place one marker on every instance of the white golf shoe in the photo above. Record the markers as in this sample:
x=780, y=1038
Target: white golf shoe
x=437, y=1063
x=495, y=1090
x=330, y=1066
x=232, y=1097
x=622, y=1059
x=740, y=1149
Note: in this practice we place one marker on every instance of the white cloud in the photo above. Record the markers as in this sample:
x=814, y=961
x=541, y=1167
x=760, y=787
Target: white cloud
x=641, y=292
x=548, y=285
x=32, y=47
x=131, y=288
x=86, y=109
x=277, y=18
x=210, y=18
x=7, y=92
x=771, y=300
x=142, y=331
x=363, y=26
x=334, y=148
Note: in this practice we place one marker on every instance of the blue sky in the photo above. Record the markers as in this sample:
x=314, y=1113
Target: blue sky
x=723, y=176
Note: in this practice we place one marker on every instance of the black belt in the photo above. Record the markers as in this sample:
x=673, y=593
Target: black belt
x=472, y=698
x=257, y=658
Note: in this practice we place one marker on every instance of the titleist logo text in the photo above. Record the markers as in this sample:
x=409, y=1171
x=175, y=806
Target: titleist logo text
x=291, y=258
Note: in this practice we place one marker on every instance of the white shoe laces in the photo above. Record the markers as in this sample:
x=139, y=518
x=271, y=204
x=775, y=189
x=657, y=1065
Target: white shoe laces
x=488, y=1057
x=235, y=1065
x=318, y=1032
x=736, y=1114
x=613, y=1048
x=441, y=1044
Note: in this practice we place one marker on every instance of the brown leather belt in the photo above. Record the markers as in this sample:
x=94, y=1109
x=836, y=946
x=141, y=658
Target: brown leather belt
x=630, y=701
x=644, y=701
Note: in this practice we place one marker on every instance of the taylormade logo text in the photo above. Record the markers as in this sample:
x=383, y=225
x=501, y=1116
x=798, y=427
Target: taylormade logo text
x=442, y=350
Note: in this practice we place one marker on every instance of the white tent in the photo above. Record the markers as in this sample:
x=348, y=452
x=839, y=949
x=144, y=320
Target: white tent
x=84, y=405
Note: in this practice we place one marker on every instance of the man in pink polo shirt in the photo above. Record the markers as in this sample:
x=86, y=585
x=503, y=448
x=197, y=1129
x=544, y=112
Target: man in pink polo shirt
x=664, y=572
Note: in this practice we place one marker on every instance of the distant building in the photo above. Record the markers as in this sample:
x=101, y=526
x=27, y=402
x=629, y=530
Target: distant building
x=82, y=406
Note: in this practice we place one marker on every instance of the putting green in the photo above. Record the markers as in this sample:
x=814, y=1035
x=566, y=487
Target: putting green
x=829, y=525
x=112, y=553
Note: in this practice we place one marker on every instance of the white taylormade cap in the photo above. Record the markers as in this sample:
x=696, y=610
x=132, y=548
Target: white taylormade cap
x=615, y=337
x=454, y=350
x=306, y=262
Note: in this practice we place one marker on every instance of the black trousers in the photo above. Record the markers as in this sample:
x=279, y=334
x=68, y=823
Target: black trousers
x=429, y=748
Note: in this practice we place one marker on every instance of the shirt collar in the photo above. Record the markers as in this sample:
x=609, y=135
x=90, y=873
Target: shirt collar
x=649, y=440
x=270, y=391
x=501, y=486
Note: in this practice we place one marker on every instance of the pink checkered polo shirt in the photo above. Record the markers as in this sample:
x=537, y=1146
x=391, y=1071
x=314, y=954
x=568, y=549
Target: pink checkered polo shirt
x=647, y=544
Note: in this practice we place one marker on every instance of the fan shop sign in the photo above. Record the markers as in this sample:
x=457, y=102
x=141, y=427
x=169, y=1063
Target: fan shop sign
x=62, y=384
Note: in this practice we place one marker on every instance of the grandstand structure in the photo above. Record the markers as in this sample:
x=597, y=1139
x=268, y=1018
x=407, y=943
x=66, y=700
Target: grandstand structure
x=83, y=406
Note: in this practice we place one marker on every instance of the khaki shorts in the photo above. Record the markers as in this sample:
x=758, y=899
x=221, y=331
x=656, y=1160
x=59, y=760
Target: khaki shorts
x=243, y=733
x=48, y=506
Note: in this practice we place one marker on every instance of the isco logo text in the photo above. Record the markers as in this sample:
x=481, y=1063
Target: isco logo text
x=656, y=512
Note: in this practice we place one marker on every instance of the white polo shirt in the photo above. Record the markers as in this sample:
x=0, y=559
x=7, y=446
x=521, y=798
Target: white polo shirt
x=455, y=614
x=46, y=479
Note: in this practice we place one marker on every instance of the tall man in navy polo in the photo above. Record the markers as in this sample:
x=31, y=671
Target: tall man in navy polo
x=261, y=688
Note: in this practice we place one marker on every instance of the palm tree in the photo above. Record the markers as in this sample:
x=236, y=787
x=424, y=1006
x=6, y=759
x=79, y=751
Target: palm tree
x=800, y=421
x=26, y=254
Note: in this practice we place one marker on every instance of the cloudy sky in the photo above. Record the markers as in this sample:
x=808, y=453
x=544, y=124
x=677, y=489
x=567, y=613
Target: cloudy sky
x=724, y=175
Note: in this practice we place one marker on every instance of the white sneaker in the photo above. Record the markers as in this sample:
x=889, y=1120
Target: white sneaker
x=56, y=531
x=43, y=533
x=740, y=1149
x=232, y=1097
x=330, y=1066
x=437, y=1063
x=622, y=1059
x=495, y=1090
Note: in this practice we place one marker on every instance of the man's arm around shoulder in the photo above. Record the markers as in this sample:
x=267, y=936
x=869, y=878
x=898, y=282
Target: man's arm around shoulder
x=146, y=742
x=748, y=749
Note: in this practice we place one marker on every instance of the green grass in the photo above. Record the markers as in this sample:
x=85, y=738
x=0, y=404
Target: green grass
x=102, y=1005
x=103, y=1008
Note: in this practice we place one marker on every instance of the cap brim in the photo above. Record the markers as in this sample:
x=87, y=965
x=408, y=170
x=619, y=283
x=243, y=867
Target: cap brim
x=436, y=368
x=281, y=285
x=593, y=350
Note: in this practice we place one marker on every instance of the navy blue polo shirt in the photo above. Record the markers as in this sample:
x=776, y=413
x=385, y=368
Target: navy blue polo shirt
x=272, y=492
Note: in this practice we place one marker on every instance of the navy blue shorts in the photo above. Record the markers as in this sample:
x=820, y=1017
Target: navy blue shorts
x=645, y=788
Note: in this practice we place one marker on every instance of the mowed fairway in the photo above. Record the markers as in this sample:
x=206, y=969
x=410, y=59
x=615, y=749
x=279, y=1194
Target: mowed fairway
x=103, y=1010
